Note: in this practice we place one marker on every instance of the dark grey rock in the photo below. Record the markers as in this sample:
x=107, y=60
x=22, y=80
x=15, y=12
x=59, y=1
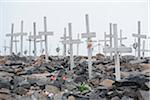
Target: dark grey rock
x=25, y=84
x=4, y=83
x=20, y=91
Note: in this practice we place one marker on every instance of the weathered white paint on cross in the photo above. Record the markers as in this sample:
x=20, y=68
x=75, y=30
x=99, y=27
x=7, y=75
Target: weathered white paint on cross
x=46, y=34
x=16, y=41
x=121, y=38
x=143, y=49
x=89, y=35
x=34, y=37
x=64, y=38
x=21, y=34
x=78, y=44
x=105, y=41
x=110, y=36
x=116, y=51
x=29, y=39
x=12, y=35
x=11, y=39
x=71, y=42
x=5, y=47
x=41, y=44
x=139, y=36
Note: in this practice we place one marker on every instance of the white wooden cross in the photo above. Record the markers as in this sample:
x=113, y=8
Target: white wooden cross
x=121, y=38
x=5, y=47
x=116, y=51
x=46, y=34
x=89, y=35
x=12, y=35
x=139, y=36
x=110, y=36
x=71, y=42
x=16, y=41
x=64, y=38
x=11, y=39
x=21, y=34
x=41, y=44
x=143, y=49
x=105, y=41
x=78, y=44
x=34, y=37
x=29, y=39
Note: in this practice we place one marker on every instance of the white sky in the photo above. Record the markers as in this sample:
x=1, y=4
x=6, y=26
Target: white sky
x=125, y=14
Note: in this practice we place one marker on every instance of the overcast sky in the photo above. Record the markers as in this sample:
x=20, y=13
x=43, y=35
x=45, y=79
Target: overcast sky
x=125, y=14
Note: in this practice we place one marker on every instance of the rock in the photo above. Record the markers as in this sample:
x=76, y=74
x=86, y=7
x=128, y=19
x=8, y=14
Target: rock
x=107, y=83
x=6, y=97
x=100, y=56
x=70, y=86
x=34, y=96
x=115, y=98
x=136, y=81
x=13, y=64
x=144, y=95
x=127, y=58
x=16, y=80
x=43, y=81
x=80, y=79
x=2, y=61
x=4, y=83
x=71, y=98
x=137, y=61
x=52, y=89
x=95, y=82
x=145, y=66
x=5, y=91
x=20, y=90
x=126, y=98
x=25, y=84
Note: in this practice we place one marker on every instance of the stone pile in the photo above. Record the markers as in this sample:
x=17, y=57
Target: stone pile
x=26, y=78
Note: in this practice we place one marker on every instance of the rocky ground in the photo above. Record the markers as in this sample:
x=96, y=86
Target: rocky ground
x=25, y=78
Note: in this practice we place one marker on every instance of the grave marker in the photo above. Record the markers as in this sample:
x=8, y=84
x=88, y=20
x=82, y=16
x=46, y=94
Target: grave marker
x=46, y=34
x=116, y=51
x=89, y=35
x=139, y=36
x=71, y=42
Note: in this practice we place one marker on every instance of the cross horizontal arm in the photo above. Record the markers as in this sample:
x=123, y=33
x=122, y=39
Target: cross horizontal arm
x=15, y=40
x=77, y=41
x=139, y=36
x=40, y=40
x=7, y=35
x=67, y=37
x=121, y=50
x=88, y=35
x=123, y=38
x=103, y=40
x=20, y=33
x=108, y=35
x=46, y=33
x=35, y=37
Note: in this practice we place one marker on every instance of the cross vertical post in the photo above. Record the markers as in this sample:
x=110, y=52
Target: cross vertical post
x=89, y=35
